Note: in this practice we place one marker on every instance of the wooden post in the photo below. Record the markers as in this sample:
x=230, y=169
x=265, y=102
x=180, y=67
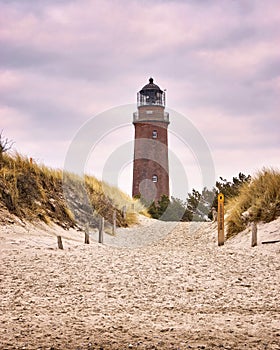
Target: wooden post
x=114, y=228
x=124, y=212
x=214, y=214
x=87, y=234
x=101, y=229
x=221, y=224
x=59, y=242
x=254, y=234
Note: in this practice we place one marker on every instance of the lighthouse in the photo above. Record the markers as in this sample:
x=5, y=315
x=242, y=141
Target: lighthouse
x=150, y=164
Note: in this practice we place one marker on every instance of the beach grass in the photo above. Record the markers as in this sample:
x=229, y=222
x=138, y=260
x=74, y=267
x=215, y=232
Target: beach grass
x=33, y=191
x=257, y=201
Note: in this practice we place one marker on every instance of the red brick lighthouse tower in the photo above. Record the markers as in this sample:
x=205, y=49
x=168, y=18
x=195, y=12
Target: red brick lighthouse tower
x=150, y=167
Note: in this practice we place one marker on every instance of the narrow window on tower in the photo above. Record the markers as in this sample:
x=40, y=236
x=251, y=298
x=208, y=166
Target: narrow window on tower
x=154, y=134
x=155, y=178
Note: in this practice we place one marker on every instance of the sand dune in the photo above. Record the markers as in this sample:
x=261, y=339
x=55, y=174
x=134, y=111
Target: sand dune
x=178, y=290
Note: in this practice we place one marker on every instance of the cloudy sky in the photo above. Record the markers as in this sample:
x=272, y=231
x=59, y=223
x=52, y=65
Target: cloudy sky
x=64, y=62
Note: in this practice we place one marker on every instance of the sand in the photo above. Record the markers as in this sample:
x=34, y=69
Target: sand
x=178, y=290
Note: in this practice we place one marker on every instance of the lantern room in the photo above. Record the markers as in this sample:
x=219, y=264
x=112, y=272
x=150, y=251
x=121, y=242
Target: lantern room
x=151, y=94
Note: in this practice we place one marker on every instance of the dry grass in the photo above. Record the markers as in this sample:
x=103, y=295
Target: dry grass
x=32, y=192
x=260, y=200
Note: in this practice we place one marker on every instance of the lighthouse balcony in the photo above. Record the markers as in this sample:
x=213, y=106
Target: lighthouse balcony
x=150, y=115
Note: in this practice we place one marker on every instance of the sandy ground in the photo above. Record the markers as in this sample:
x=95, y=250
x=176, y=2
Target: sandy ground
x=177, y=290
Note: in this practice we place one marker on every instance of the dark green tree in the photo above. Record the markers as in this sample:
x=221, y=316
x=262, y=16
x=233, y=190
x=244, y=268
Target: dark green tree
x=231, y=188
x=198, y=205
x=192, y=204
x=163, y=204
x=153, y=210
x=167, y=210
x=175, y=210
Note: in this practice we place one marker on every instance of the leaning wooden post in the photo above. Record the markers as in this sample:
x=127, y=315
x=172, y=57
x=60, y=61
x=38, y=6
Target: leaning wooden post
x=221, y=224
x=87, y=234
x=254, y=234
x=101, y=229
x=59, y=242
x=114, y=228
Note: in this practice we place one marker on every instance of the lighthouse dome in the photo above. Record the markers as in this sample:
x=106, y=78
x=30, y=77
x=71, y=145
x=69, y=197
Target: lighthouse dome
x=151, y=86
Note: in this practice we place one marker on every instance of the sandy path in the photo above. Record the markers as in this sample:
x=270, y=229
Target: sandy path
x=181, y=292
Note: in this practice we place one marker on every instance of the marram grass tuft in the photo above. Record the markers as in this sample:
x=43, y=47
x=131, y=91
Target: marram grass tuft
x=35, y=192
x=259, y=200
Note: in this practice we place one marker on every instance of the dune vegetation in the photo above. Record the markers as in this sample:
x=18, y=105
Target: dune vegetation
x=35, y=192
x=257, y=201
